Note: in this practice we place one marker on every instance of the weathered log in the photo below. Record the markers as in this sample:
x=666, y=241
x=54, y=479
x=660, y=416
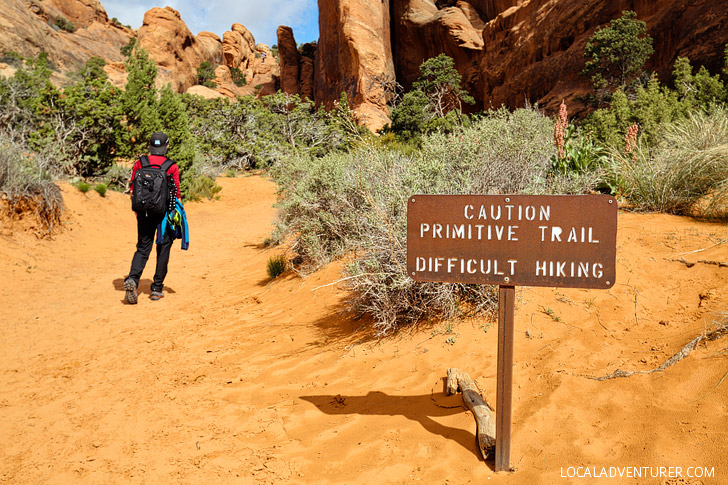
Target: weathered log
x=458, y=381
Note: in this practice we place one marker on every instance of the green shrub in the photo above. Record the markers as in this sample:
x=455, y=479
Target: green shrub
x=101, y=189
x=63, y=24
x=83, y=186
x=238, y=77
x=685, y=164
x=355, y=204
x=276, y=266
x=206, y=75
x=202, y=187
x=117, y=177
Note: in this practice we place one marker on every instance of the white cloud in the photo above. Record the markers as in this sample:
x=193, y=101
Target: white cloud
x=261, y=17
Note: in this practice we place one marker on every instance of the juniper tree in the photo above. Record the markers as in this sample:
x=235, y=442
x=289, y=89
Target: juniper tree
x=139, y=102
x=92, y=115
x=174, y=121
x=616, y=55
x=440, y=82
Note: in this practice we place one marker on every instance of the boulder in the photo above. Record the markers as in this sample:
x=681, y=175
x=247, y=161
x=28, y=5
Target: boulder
x=204, y=91
x=211, y=46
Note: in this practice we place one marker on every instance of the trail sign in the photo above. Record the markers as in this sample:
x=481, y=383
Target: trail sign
x=510, y=240
x=519, y=240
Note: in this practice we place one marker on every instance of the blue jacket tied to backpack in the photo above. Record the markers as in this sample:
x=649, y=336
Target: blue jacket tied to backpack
x=175, y=221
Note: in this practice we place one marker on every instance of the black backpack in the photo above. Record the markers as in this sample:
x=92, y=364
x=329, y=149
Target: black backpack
x=151, y=188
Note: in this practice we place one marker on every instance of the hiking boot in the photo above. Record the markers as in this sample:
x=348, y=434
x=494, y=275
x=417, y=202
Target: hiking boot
x=131, y=291
x=157, y=295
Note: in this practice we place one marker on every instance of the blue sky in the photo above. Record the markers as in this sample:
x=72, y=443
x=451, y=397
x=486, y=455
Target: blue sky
x=261, y=17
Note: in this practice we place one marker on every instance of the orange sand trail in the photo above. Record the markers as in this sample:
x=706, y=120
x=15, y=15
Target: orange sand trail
x=233, y=378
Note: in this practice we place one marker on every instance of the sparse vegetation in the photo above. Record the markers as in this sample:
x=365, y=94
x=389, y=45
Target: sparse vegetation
x=26, y=185
x=238, y=77
x=206, y=75
x=62, y=23
x=276, y=266
x=685, y=164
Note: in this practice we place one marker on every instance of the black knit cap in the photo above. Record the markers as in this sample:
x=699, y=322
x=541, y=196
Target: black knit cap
x=158, y=144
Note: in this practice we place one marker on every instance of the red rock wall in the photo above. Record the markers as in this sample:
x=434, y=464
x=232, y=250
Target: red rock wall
x=354, y=47
x=290, y=60
x=509, y=52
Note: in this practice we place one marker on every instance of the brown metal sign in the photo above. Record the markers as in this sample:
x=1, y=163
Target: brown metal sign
x=517, y=240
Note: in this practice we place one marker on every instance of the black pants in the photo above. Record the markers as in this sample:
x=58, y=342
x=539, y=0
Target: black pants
x=146, y=229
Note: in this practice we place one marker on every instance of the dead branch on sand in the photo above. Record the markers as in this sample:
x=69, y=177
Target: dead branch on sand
x=458, y=381
x=690, y=264
x=719, y=332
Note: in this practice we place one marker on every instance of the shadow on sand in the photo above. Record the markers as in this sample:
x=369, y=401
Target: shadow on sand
x=421, y=408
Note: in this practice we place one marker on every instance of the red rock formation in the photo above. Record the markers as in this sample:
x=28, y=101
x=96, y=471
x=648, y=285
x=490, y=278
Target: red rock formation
x=509, y=52
x=290, y=60
x=353, y=51
x=177, y=52
x=534, y=51
x=421, y=30
x=211, y=46
x=307, y=77
x=205, y=92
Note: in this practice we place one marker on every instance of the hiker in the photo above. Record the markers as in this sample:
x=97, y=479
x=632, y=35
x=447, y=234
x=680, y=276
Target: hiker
x=155, y=190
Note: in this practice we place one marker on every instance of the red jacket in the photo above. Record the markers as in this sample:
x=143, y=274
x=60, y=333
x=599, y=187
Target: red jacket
x=158, y=160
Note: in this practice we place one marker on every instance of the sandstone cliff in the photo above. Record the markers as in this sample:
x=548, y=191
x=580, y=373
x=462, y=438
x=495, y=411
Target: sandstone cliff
x=509, y=52
x=290, y=60
x=28, y=27
x=354, y=55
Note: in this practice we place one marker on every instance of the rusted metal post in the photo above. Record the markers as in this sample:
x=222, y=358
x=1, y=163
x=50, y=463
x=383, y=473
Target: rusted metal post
x=504, y=383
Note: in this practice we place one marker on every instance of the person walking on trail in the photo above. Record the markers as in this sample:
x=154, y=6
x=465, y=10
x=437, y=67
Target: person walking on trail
x=155, y=188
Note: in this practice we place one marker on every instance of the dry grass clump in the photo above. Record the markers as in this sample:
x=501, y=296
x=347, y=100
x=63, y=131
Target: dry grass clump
x=687, y=164
x=26, y=187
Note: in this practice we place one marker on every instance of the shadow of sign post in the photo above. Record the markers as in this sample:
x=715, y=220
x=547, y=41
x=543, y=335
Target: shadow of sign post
x=566, y=241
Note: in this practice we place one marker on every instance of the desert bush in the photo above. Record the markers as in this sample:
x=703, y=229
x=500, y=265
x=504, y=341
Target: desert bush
x=26, y=184
x=64, y=24
x=101, y=189
x=238, y=76
x=83, y=186
x=12, y=58
x=355, y=204
x=434, y=104
x=117, y=177
x=686, y=163
x=206, y=75
x=276, y=265
x=201, y=187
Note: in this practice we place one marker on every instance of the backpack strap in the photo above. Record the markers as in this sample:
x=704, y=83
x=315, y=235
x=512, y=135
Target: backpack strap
x=166, y=165
x=145, y=161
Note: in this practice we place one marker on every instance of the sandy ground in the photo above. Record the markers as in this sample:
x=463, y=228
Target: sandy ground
x=233, y=378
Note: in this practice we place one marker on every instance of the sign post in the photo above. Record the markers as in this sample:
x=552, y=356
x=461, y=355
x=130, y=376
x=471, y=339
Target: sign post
x=504, y=379
x=512, y=240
